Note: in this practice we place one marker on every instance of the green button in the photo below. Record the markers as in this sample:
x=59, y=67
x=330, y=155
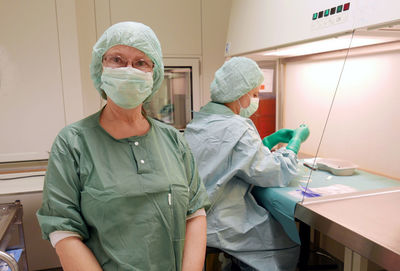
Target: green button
x=339, y=9
x=326, y=13
x=315, y=16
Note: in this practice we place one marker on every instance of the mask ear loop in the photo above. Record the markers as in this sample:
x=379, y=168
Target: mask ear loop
x=329, y=113
x=241, y=107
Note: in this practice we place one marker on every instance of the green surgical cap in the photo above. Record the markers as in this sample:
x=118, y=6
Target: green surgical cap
x=132, y=34
x=235, y=78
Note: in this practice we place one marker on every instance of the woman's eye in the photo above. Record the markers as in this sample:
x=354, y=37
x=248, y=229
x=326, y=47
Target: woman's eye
x=141, y=63
x=116, y=59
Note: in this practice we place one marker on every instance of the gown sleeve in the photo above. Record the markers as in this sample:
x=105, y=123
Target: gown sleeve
x=60, y=210
x=258, y=166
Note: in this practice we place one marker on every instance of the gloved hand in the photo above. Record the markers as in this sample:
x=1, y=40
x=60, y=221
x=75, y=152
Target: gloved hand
x=280, y=136
x=299, y=136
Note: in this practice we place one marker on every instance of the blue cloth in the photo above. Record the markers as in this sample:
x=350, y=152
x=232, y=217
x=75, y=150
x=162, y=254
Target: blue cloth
x=231, y=159
x=282, y=205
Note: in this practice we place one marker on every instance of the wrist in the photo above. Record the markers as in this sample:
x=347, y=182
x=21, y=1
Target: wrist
x=294, y=145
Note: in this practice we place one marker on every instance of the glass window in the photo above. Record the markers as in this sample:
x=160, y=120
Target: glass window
x=172, y=103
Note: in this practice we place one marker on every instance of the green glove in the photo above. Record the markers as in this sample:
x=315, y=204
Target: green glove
x=280, y=136
x=299, y=136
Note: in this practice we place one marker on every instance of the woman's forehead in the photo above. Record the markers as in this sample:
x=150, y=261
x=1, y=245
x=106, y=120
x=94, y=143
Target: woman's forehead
x=126, y=51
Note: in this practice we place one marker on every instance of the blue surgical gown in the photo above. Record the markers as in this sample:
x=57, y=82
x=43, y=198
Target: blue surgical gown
x=127, y=198
x=231, y=159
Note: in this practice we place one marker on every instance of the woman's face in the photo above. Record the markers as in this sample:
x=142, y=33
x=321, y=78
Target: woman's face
x=245, y=99
x=120, y=56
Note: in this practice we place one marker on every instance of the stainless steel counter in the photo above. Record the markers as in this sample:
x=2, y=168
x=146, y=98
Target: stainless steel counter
x=366, y=222
x=11, y=224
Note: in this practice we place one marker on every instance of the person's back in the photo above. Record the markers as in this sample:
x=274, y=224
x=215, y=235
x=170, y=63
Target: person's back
x=235, y=222
x=231, y=158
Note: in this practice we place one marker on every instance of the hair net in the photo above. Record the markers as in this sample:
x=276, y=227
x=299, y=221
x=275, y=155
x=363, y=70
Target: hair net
x=132, y=34
x=235, y=78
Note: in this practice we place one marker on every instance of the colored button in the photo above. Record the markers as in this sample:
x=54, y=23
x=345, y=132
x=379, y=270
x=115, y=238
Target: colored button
x=314, y=17
x=346, y=6
x=320, y=14
x=326, y=13
x=333, y=10
x=339, y=9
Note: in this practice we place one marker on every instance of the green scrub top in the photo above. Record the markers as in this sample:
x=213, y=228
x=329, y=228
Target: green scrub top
x=127, y=198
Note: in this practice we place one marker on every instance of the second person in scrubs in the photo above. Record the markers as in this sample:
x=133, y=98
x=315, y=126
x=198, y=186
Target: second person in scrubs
x=232, y=158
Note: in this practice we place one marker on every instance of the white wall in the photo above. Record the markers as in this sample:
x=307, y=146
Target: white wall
x=215, y=21
x=46, y=49
x=364, y=123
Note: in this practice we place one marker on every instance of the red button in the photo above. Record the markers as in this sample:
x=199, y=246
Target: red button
x=346, y=6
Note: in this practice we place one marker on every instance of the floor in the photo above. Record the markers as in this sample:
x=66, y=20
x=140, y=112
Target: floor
x=319, y=260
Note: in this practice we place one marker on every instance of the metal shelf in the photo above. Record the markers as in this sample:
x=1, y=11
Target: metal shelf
x=12, y=236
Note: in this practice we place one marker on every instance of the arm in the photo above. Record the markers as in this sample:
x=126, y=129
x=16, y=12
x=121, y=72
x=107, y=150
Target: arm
x=195, y=244
x=75, y=255
x=255, y=164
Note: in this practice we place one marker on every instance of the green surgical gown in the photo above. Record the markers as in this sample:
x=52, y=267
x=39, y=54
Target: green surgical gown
x=127, y=198
x=231, y=158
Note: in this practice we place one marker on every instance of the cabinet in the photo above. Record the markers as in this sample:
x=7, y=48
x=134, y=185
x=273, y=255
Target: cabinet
x=12, y=242
x=39, y=76
x=264, y=117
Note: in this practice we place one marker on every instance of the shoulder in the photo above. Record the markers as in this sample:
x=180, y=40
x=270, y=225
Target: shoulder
x=161, y=127
x=218, y=124
x=169, y=132
x=72, y=132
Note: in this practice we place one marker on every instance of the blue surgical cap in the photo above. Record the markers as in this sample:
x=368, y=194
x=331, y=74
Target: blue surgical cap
x=235, y=78
x=132, y=34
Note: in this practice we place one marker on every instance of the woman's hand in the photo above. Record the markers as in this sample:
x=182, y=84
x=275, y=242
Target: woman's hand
x=280, y=136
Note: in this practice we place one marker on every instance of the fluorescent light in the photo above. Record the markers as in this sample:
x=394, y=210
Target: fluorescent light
x=326, y=45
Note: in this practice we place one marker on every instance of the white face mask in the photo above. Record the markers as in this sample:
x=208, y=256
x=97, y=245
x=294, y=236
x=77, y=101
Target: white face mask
x=251, y=109
x=127, y=87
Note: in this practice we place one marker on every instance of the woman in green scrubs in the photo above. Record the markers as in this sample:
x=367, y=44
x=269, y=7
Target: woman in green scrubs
x=122, y=191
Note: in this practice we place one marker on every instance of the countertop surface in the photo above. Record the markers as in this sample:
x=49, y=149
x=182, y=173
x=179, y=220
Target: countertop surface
x=18, y=183
x=367, y=222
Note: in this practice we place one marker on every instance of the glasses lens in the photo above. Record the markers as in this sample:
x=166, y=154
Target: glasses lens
x=114, y=61
x=143, y=65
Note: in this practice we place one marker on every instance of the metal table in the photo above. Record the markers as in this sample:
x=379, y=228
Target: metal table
x=11, y=225
x=367, y=223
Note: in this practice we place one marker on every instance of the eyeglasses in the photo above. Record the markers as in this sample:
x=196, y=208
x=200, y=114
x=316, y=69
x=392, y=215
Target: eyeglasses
x=117, y=61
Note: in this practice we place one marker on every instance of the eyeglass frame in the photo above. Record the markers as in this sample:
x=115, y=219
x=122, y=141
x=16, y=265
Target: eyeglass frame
x=126, y=63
